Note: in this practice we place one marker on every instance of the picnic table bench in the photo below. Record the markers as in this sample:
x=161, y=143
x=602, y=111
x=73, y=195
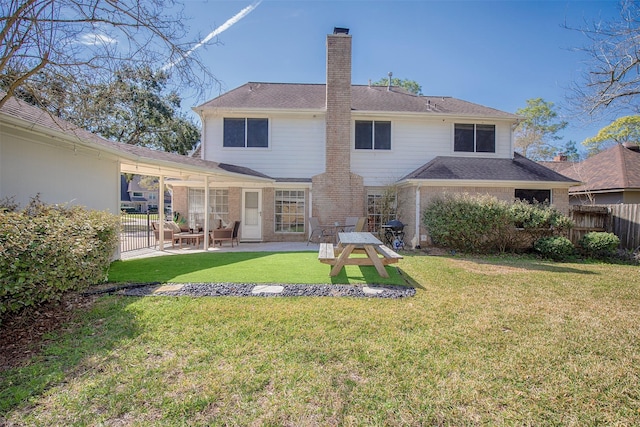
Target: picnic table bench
x=357, y=242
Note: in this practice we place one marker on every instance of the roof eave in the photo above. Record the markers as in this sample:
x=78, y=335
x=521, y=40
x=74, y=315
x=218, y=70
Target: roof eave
x=486, y=183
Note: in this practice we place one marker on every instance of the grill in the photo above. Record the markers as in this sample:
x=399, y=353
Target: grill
x=395, y=225
x=394, y=234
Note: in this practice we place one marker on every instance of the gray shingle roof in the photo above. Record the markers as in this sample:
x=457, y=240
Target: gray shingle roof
x=31, y=114
x=612, y=169
x=292, y=96
x=486, y=169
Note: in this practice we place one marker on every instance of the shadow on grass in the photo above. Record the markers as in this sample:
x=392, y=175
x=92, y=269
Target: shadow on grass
x=70, y=352
x=525, y=263
x=245, y=267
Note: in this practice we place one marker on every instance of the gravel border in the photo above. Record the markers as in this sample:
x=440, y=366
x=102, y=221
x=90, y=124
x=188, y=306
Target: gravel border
x=247, y=290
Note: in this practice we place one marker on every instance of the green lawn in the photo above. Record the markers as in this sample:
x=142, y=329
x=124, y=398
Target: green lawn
x=245, y=267
x=485, y=341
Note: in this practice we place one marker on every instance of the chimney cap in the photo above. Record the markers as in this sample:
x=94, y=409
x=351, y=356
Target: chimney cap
x=340, y=30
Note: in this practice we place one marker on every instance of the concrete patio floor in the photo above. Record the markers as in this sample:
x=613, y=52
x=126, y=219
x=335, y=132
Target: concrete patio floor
x=242, y=247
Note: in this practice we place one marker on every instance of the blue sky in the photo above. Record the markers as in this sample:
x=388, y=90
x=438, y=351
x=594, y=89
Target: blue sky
x=493, y=53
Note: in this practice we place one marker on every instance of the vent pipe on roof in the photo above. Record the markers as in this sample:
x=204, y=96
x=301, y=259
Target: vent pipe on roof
x=389, y=83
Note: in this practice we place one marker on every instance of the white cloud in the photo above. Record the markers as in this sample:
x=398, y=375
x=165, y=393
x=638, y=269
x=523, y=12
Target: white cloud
x=93, y=39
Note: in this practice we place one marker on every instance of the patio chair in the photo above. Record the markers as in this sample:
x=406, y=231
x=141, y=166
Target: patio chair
x=321, y=233
x=229, y=233
x=350, y=223
x=169, y=234
x=355, y=223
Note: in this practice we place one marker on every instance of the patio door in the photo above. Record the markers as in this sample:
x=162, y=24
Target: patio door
x=251, y=214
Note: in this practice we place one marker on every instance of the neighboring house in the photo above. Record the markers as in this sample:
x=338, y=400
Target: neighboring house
x=135, y=197
x=609, y=177
x=334, y=150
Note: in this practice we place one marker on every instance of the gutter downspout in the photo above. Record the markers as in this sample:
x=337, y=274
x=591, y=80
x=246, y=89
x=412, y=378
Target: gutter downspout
x=417, y=225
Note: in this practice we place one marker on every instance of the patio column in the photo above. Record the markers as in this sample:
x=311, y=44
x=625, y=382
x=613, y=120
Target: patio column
x=205, y=229
x=161, y=212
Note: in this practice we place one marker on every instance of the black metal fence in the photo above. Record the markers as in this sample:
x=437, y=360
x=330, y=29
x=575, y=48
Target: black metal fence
x=136, y=231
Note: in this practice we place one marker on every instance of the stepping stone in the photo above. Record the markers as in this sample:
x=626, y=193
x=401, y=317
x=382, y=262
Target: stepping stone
x=168, y=288
x=267, y=289
x=371, y=291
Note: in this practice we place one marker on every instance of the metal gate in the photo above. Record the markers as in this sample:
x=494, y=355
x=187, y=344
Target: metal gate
x=136, y=231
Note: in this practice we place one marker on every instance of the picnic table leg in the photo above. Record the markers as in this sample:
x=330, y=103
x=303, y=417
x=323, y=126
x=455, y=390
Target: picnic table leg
x=377, y=263
x=341, y=260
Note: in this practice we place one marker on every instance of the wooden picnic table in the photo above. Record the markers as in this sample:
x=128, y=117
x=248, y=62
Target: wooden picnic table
x=360, y=241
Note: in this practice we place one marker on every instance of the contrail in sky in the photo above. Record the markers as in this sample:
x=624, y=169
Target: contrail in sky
x=231, y=21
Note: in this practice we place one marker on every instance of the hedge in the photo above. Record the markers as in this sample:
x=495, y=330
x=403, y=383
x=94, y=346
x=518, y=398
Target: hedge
x=48, y=250
x=482, y=223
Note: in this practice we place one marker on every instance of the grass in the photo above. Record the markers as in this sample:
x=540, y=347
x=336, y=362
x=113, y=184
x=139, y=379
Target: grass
x=245, y=267
x=485, y=341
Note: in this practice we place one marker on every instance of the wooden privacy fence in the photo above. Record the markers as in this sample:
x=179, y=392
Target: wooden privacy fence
x=623, y=220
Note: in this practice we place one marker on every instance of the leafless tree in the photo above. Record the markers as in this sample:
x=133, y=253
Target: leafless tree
x=612, y=77
x=83, y=40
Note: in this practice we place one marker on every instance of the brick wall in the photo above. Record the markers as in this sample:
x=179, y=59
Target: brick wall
x=338, y=193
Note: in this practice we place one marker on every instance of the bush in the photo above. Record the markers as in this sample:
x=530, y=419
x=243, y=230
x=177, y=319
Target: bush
x=557, y=248
x=46, y=251
x=483, y=223
x=466, y=223
x=599, y=244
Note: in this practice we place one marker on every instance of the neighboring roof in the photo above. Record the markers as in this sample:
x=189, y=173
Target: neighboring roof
x=293, y=96
x=34, y=116
x=614, y=169
x=124, y=194
x=486, y=169
x=557, y=165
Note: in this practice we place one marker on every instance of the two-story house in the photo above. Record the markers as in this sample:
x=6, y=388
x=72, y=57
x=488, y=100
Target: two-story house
x=332, y=150
x=135, y=197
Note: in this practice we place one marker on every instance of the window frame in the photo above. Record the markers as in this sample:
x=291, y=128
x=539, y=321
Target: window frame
x=373, y=135
x=255, y=132
x=531, y=191
x=288, y=197
x=479, y=138
x=218, y=200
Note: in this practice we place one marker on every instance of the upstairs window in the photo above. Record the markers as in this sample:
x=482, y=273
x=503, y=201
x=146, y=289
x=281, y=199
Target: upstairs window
x=373, y=135
x=471, y=138
x=246, y=133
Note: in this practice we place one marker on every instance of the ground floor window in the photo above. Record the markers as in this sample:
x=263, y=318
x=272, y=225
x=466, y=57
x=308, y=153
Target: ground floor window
x=290, y=211
x=533, y=196
x=218, y=208
x=381, y=208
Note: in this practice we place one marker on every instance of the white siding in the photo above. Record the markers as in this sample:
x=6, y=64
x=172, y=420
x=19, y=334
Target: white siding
x=29, y=165
x=296, y=147
x=413, y=144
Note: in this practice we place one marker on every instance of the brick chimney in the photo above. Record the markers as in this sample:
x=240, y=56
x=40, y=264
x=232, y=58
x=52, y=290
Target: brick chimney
x=337, y=193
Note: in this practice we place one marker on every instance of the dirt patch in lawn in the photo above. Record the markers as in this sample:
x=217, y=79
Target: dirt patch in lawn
x=24, y=334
